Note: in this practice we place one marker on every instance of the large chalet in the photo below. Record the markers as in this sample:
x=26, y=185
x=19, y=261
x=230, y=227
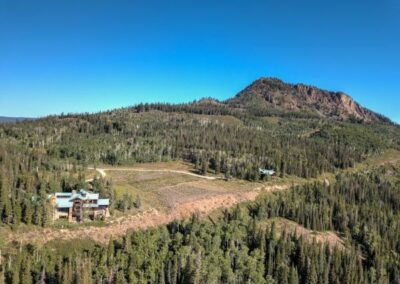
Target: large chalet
x=79, y=205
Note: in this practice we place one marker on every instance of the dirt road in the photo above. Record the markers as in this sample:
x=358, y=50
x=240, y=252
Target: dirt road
x=102, y=172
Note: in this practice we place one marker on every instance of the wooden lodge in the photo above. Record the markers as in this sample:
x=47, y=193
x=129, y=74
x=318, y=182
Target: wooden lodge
x=79, y=206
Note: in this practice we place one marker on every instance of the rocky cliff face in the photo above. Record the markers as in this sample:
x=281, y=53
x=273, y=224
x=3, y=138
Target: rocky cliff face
x=274, y=93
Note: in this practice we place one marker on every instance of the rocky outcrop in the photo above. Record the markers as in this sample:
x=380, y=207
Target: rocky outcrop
x=276, y=94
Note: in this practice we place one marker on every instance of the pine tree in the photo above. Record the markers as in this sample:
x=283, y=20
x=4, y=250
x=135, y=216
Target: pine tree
x=293, y=277
x=27, y=212
x=5, y=201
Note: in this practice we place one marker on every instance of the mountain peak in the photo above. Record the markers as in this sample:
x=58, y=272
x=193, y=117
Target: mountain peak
x=273, y=93
x=208, y=100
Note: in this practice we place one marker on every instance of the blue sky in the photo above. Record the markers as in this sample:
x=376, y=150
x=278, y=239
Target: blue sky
x=78, y=56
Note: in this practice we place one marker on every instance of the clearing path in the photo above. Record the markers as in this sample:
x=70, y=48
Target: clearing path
x=331, y=238
x=102, y=172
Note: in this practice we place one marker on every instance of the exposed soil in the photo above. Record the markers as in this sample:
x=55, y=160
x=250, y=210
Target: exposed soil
x=326, y=237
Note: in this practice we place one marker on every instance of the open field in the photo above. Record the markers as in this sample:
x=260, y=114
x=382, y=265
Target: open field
x=163, y=185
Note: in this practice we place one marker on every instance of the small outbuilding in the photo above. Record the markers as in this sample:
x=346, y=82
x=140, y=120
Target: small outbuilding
x=267, y=172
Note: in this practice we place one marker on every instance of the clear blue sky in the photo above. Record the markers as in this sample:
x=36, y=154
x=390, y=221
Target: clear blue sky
x=76, y=55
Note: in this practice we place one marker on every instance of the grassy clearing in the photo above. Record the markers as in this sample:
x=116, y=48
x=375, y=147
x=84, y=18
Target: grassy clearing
x=271, y=120
x=159, y=166
x=2, y=237
x=64, y=224
x=390, y=156
x=146, y=185
x=160, y=189
x=91, y=173
x=164, y=190
x=219, y=119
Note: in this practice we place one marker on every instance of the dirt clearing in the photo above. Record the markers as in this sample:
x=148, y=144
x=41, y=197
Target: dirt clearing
x=326, y=237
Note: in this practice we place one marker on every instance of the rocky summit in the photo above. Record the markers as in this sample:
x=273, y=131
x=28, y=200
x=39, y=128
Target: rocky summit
x=272, y=93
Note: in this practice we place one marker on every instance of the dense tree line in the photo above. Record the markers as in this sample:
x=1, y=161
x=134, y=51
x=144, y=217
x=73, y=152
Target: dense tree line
x=365, y=208
x=235, y=145
x=27, y=177
x=239, y=247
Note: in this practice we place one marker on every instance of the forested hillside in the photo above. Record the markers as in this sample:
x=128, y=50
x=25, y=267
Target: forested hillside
x=45, y=155
x=242, y=247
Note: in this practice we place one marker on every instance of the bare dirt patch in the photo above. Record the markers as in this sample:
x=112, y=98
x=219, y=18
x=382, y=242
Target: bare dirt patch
x=326, y=237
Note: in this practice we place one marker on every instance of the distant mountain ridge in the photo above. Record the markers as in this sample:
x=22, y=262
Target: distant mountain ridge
x=7, y=119
x=273, y=93
x=268, y=96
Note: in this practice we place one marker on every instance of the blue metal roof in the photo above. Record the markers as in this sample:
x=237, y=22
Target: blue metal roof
x=103, y=202
x=267, y=172
x=65, y=199
x=64, y=203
